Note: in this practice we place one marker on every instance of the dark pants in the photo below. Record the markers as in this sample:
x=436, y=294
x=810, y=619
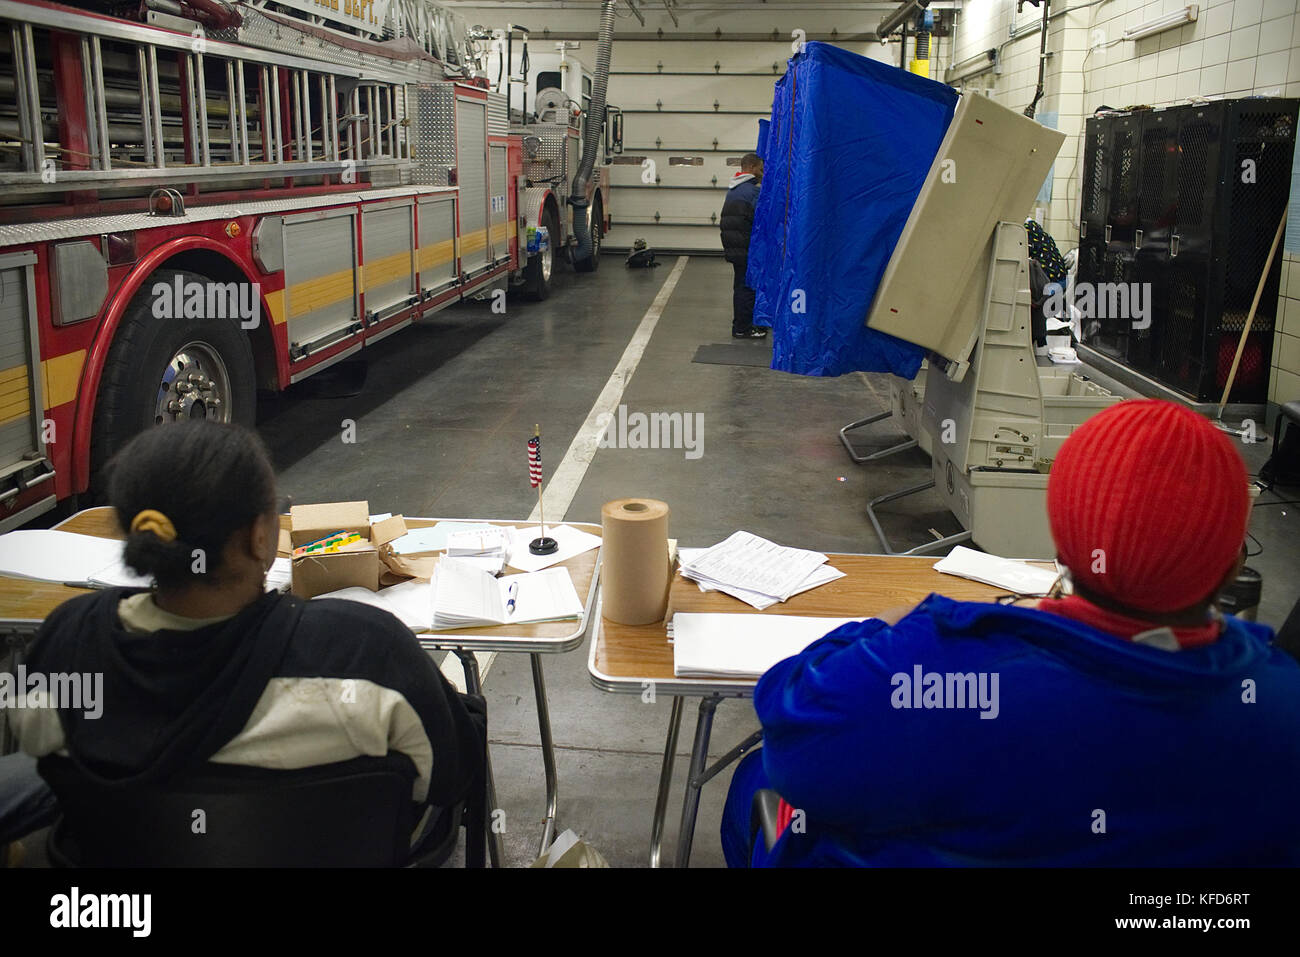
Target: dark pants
x=26, y=801
x=742, y=301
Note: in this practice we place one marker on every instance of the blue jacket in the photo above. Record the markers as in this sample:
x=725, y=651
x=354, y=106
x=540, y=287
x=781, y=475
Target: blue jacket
x=1095, y=750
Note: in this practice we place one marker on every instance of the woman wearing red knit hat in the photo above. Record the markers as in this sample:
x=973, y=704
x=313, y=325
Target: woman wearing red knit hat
x=1130, y=723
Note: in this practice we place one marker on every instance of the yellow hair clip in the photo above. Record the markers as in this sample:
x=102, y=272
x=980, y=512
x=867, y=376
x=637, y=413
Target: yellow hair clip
x=156, y=522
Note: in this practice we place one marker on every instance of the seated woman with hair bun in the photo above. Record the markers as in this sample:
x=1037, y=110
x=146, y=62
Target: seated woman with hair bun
x=207, y=666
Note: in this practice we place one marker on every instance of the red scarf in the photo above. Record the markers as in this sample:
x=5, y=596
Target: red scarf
x=1077, y=608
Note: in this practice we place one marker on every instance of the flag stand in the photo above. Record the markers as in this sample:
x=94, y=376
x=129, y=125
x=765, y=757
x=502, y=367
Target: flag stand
x=543, y=544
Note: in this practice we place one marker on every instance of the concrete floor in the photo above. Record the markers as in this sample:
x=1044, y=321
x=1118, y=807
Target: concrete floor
x=441, y=420
x=441, y=423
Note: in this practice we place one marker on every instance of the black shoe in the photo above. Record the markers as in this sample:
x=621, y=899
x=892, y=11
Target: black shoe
x=753, y=332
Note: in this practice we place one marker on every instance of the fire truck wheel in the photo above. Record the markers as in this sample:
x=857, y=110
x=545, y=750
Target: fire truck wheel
x=170, y=369
x=597, y=233
x=540, y=268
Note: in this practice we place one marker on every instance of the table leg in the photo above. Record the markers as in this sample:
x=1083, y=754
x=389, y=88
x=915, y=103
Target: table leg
x=665, y=780
x=548, y=752
x=699, y=755
x=473, y=685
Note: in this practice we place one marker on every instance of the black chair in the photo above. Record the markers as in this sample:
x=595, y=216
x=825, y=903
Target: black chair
x=764, y=811
x=1281, y=467
x=355, y=813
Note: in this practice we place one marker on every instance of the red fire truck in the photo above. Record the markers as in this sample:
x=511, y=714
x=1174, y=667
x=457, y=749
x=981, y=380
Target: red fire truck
x=204, y=198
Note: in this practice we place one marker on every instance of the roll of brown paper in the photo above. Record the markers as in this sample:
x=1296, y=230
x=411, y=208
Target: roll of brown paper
x=634, y=560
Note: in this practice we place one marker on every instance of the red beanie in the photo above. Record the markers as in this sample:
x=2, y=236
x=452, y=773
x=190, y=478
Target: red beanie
x=1148, y=505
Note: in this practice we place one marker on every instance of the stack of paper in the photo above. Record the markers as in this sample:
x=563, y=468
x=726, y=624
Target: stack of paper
x=1019, y=578
x=465, y=596
x=483, y=548
x=741, y=646
x=758, y=572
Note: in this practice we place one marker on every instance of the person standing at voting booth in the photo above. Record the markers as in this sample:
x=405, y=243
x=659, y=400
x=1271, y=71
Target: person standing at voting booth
x=737, y=222
x=207, y=667
x=1131, y=723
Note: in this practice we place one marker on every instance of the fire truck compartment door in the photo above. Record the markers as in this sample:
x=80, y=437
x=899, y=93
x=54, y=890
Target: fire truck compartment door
x=388, y=243
x=471, y=177
x=22, y=403
x=500, y=204
x=438, y=242
x=320, y=277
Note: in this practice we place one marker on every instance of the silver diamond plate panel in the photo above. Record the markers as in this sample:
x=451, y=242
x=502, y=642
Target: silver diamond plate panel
x=549, y=163
x=23, y=233
x=435, y=132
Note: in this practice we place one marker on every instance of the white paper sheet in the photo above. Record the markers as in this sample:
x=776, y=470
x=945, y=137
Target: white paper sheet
x=572, y=542
x=54, y=556
x=1020, y=578
x=741, y=646
x=410, y=602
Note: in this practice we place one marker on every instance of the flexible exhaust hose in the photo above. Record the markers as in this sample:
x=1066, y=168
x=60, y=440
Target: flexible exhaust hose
x=595, y=131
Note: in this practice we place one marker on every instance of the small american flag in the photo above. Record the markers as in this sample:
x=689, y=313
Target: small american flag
x=535, y=461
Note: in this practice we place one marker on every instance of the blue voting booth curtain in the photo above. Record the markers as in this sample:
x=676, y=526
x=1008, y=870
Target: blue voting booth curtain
x=848, y=148
x=762, y=136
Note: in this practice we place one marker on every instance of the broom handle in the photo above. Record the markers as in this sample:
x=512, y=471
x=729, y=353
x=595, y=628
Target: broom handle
x=1250, y=316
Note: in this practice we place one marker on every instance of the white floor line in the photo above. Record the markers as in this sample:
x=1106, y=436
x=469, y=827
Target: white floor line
x=568, y=475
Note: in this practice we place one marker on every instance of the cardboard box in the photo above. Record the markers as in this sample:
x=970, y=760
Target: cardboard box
x=317, y=574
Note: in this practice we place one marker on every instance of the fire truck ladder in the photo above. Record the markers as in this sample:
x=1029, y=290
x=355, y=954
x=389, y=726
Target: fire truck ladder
x=97, y=102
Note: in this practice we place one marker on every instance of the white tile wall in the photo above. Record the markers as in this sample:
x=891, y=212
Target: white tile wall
x=1234, y=48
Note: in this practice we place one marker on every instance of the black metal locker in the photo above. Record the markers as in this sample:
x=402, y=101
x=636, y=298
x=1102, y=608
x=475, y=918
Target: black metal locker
x=1192, y=198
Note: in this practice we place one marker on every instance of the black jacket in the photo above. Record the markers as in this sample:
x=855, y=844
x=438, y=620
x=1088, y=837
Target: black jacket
x=738, y=218
x=171, y=700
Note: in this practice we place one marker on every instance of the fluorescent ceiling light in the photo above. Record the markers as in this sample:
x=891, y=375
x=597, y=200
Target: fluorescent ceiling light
x=1160, y=24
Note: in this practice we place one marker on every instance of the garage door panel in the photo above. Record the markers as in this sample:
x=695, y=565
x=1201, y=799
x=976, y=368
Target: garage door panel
x=679, y=131
x=746, y=56
x=715, y=165
x=692, y=92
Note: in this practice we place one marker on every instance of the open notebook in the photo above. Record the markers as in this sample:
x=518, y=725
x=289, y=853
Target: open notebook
x=465, y=596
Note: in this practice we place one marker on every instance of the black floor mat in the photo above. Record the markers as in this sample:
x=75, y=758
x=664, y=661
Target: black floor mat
x=739, y=353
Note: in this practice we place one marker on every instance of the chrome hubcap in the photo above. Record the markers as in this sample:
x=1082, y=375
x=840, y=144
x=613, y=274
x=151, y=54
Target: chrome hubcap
x=194, y=385
x=546, y=259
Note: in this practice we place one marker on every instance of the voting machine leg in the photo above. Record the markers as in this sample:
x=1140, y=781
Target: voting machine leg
x=922, y=549
x=665, y=780
x=879, y=453
x=548, y=752
x=473, y=685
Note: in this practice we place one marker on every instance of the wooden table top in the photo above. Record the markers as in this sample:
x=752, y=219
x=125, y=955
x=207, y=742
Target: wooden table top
x=873, y=584
x=22, y=598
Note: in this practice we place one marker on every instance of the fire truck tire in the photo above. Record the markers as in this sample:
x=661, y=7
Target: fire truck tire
x=169, y=370
x=541, y=267
x=597, y=234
